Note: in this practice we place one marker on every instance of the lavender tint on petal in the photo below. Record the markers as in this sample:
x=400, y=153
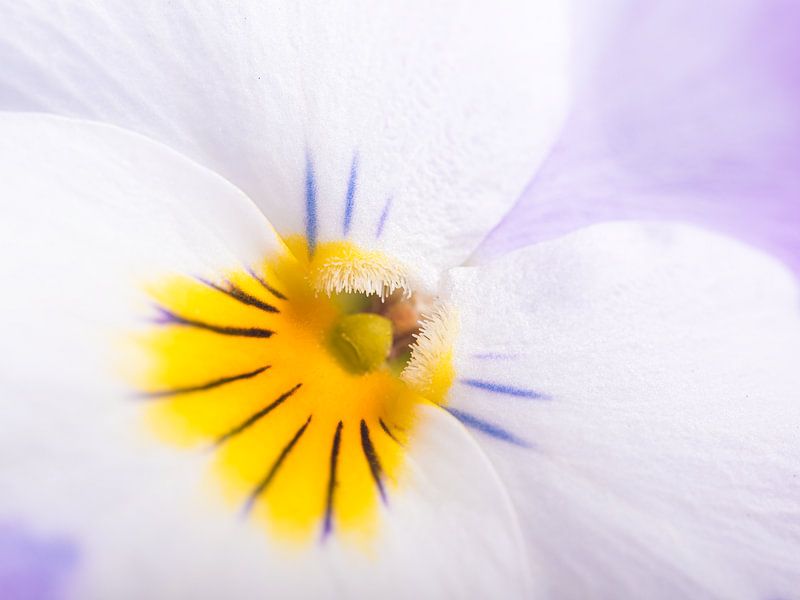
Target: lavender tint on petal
x=163, y=316
x=690, y=113
x=34, y=567
x=494, y=356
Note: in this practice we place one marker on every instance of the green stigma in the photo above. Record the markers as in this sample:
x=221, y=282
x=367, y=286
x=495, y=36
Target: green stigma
x=361, y=342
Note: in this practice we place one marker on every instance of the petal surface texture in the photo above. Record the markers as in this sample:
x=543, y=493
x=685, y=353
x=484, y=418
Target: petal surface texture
x=681, y=112
x=408, y=127
x=90, y=214
x=637, y=388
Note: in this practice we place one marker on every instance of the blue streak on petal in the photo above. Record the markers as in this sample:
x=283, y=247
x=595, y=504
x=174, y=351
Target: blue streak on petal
x=494, y=356
x=490, y=429
x=498, y=388
x=382, y=221
x=351, y=194
x=311, y=207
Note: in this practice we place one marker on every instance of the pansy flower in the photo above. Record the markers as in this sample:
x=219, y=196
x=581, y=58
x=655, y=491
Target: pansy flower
x=265, y=334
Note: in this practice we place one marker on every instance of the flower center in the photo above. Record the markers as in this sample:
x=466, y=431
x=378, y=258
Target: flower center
x=296, y=377
x=362, y=341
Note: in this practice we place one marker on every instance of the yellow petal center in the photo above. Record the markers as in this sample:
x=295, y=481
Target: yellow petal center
x=291, y=387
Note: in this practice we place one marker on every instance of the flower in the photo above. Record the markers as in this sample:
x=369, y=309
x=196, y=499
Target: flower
x=617, y=409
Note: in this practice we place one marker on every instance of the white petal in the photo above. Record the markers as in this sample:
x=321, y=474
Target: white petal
x=451, y=535
x=443, y=110
x=650, y=410
x=90, y=212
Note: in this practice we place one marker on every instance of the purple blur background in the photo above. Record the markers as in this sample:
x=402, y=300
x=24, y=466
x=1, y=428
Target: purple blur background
x=686, y=111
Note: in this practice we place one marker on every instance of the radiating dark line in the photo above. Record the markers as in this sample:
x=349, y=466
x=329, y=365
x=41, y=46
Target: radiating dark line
x=328, y=524
x=372, y=459
x=239, y=294
x=491, y=429
x=267, y=286
x=256, y=416
x=259, y=489
x=351, y=193
x=382, y=221
x=255, y=332
x=311, y=207
x=204, y=386
x=499, y=388
x=388, y=432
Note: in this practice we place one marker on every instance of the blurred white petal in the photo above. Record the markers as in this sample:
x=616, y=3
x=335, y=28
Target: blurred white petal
x=651, y=371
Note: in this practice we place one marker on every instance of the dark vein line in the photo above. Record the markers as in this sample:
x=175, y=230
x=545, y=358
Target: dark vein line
x=240, y=295
x=259, y=489
x=311, y=207
x=388, y=431
x=337, y=439
x=499, y=388
x=268, y=287
x=256, y=416
x=204, y=386
x=488, y=428
x=382, y=221
x=255, y=332
x=372, y=459
x=350, y=196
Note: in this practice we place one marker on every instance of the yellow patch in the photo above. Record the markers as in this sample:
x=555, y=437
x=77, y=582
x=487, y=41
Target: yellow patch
x=242, y=363
x=343, y=267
